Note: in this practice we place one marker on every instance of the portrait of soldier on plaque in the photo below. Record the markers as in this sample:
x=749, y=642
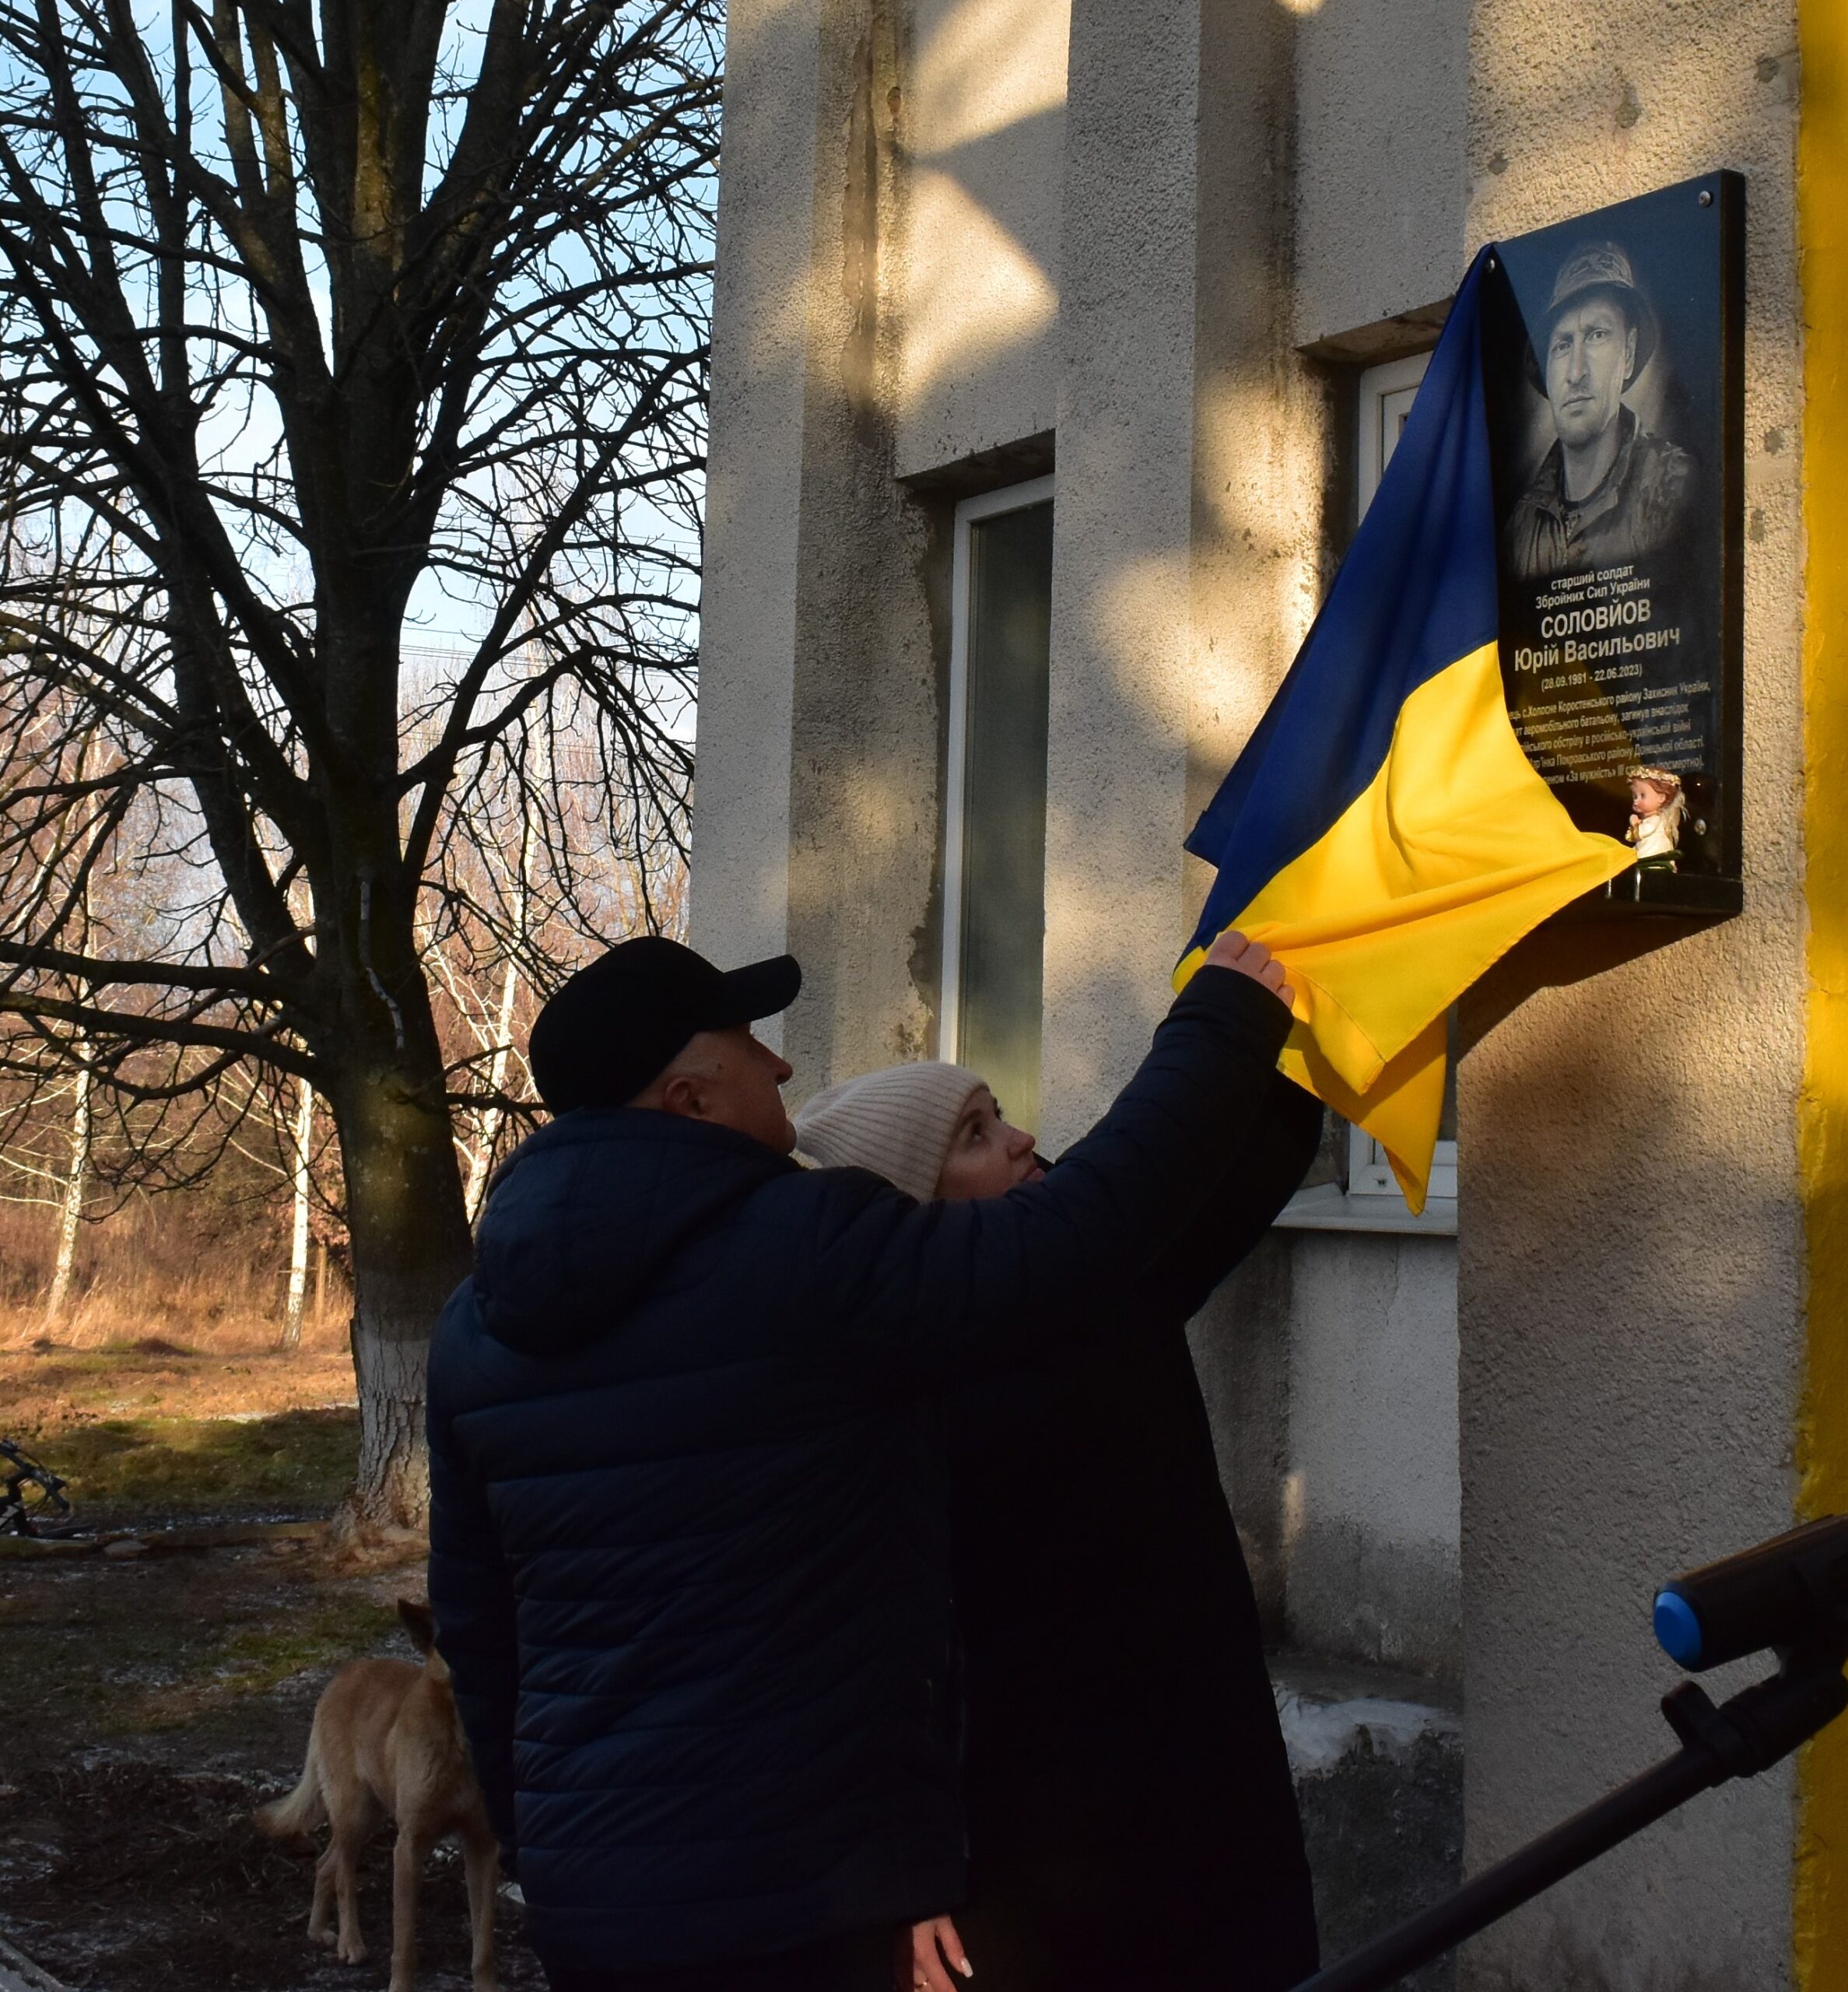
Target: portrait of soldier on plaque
x=1607, y=490
x=1613, y=394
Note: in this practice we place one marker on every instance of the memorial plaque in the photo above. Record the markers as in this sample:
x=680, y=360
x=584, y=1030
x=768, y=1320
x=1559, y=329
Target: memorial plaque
x=1612, y=356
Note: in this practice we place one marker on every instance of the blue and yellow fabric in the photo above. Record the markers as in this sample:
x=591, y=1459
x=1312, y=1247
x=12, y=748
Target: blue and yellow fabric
x=1383, y=833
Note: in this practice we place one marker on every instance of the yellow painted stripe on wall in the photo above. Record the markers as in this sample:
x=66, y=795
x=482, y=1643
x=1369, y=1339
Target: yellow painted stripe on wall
x=1820, y=1908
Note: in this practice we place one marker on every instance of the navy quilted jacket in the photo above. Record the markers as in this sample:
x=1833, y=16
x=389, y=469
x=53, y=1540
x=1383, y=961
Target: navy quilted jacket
x=688, y=1551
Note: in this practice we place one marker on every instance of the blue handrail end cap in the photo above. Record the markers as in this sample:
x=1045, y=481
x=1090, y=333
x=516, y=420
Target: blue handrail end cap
x=1678, y=1629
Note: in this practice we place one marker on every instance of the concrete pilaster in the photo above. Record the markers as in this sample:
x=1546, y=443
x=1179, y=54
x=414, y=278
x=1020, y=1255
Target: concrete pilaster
x=760, y=347
x=1116, y=758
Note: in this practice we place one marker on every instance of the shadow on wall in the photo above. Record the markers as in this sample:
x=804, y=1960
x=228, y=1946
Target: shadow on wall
x=1634, y=1145
x=1638, y=1265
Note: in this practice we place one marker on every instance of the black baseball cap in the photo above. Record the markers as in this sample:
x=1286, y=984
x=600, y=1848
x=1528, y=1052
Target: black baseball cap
x=618, y=1022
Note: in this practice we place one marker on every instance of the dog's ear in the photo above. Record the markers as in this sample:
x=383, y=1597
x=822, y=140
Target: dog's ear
x=415, y=1615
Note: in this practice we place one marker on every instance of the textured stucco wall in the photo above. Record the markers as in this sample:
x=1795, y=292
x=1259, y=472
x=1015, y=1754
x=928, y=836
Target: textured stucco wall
x=1328, y=1363
x=1117, y=751
x=984, y=102
x=865, y=704
x=1371, y=1497
x=1381, y=176
x=816, y=821
x=1263, y=464
x=753, y=488
x=1630, y=1340
x=1240, y=1341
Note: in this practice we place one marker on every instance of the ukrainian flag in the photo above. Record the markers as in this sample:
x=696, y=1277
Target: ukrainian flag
x=1383, y=833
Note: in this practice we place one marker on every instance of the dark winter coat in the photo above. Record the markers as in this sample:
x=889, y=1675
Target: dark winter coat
x=1132, y=1819
x=688, y=1543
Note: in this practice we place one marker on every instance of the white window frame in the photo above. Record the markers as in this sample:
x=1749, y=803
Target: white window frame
x=1372, y=1201
x=1381, y=392
x=984, y=505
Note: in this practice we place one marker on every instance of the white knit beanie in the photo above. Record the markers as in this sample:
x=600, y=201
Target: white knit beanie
x=897, y=1122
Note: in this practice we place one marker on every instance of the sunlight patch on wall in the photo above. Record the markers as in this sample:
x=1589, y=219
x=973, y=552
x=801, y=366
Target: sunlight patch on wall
x=984, y=64
x=975, y=290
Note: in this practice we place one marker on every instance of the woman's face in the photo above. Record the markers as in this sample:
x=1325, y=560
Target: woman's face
x=986, y=1157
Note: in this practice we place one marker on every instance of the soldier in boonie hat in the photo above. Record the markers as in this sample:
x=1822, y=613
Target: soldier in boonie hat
x=1607, y=491
x=1599, y=266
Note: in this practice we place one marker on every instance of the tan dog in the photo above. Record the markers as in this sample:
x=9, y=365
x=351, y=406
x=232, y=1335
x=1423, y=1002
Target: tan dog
x=387, y=1743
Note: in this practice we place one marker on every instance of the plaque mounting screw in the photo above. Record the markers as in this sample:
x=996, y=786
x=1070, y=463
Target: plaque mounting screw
x=1706, y=197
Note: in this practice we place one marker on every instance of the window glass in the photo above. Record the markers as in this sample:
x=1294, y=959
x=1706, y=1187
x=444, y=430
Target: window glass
x=1003, y=895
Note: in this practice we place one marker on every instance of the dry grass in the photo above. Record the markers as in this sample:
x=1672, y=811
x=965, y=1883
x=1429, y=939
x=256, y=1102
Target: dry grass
x=163, y=1388
x=58, y=1389
x=189, y=1269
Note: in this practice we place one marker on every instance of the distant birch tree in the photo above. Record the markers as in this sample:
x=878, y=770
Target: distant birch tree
x=311, y=311
x=301, y=1159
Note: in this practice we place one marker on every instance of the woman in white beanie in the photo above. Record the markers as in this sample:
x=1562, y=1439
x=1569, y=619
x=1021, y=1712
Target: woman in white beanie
x=911, y=1124
x=1132, y=1820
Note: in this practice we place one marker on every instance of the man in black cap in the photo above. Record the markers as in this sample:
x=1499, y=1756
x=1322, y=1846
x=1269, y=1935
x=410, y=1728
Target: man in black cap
x=688, y=1550
x=652, y=1024
x=1608, y=492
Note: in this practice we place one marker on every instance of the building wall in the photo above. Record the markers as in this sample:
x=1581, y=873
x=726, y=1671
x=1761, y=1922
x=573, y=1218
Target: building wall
x=1328, y=1362
x=1172, y=233
x=984, y=108
x=1371, y=1497
x=865, y=705
x=1382, y=176
x=754, y=481
x=1630, y=1264
x=1117, y=751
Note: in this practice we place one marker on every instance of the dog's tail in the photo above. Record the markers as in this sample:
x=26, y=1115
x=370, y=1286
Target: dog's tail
x=294, y=1817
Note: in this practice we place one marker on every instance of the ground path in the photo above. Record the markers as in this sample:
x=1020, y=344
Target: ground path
x=152, y=1702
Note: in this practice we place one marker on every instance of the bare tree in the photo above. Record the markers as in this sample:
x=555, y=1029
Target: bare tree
x=319, y=318
x=514, y=883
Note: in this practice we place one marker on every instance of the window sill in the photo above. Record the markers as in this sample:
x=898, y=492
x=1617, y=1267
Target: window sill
x=1328, y=1208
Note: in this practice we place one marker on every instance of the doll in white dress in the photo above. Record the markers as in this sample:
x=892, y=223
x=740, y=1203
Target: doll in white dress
x=1657, y=807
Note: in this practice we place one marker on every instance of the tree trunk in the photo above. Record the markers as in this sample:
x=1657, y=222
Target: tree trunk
x=298, y=1241
x=410, y=1249
x=482, y=1161
x=71, y=1213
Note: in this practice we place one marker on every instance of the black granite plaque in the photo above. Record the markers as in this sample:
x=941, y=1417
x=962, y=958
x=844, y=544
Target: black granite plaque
x=1611, y=353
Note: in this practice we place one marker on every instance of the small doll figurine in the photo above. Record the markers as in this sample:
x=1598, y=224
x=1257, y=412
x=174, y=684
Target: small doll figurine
x=1656, y=808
